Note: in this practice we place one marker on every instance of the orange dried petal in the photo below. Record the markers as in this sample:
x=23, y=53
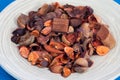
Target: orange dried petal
x=102, y=50
x=66, y=72
x=46, y=30
x=33, y=57
x=48, y=23
x=69, y=52
x=24, y=51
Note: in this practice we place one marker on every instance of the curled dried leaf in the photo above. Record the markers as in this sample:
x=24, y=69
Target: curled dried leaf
x=22, y=20
x=26, y=39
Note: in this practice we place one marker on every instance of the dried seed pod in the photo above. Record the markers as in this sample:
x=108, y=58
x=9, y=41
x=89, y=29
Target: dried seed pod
x=48, y=23
x=80, y=69
x=22, y=20
x=70, y=29
x=19, y=32
x=51, y=49
x=43, y=63
x=64, y=39
x=46, y=30
x=81, y=62
x=69, y=52
x=24, y=51
x=64, y=16
x=91, y=49
x=35, y=33
x=33, y=57
x=102, y=50
x=85, y=30
x=90, y=62
x=66, y=72
x=85, y=43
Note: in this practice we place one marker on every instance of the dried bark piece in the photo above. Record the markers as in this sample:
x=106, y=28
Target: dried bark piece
x=60, y=25
x=46, y=30
x=103, y=32
x=24, y=51
x=109, y=41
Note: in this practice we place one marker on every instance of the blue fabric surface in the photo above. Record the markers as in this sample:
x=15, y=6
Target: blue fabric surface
x=118, y=1
x=4, y=3
x=3, y=74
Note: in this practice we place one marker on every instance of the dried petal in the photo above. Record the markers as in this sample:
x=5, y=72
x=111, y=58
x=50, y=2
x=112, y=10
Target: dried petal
x=66, y=72
x=69, y=52
x=33, y=57
x=46, y=30
x=24, y=52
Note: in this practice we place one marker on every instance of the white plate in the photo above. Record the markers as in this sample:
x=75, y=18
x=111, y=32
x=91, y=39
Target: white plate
x=104, y=68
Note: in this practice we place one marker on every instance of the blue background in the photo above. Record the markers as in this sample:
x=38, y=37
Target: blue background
x=3, y=74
